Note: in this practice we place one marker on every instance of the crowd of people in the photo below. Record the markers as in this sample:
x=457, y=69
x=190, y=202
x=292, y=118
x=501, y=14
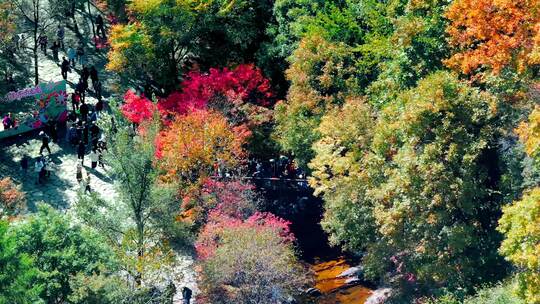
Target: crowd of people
x=283, y=168
x=82, y=132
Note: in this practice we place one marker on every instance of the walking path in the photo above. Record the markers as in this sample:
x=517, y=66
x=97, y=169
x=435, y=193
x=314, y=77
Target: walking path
x=61, y=188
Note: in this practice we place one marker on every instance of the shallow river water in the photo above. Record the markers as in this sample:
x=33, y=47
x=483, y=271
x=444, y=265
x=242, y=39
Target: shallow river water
x=333, y=287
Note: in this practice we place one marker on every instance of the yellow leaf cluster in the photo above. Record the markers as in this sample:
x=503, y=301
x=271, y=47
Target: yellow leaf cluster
x=520, y=224
x=529, y=133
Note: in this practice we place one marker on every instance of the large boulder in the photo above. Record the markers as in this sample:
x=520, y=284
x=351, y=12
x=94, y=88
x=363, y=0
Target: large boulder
x=352, y=272
x=379, y=296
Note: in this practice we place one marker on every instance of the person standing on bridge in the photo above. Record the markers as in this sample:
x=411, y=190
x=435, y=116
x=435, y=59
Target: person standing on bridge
x=7, y=122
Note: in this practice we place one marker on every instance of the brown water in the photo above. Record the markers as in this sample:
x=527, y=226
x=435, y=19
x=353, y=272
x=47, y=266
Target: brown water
x=333, y=288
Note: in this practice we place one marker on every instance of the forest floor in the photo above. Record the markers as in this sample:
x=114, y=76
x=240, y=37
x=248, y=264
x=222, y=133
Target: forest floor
x=61, y=188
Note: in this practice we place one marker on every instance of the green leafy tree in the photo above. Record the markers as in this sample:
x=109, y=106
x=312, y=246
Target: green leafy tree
x=321, y=76
x=17, y=272
x=346, y=136
x=430, y=179
x=98, y=288
x=411, y=49
x=164, y=34
x=60, y=250
x=521, y=221
x=139, y=221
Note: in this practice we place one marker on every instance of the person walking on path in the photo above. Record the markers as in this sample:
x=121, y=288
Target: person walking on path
x=85, y=133
x=85, y=74
x=100, y=28
x=80, y=88
x=75, y=100
x=44, y=143
x=94, y=76
x=87, y=188
x=186, y=295
x=81, y=150
x=99, y=106
x=60, y=34
x=98, y=91
x=64, y=67
x=53, y=130
x=42, y=40
x=71, y=53
x=39, y=168
x=24, y=165
x=100, y=151
x=71, y=136
x=94, y=132
x=94, y=158
x=80, y=54
x=55, y=47
x=84, y=110
x=79, y=174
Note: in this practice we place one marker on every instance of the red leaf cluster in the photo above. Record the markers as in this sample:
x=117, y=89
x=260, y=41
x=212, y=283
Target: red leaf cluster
x=137, y=108
x=243, y=84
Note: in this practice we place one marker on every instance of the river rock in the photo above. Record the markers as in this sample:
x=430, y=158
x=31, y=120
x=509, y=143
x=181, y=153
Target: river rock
x=351, y=272
x=379, y=296
x=352, y=281
x=314, y=292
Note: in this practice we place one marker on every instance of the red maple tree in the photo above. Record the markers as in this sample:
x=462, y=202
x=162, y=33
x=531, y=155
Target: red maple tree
x=137, y=108
x=230, y=91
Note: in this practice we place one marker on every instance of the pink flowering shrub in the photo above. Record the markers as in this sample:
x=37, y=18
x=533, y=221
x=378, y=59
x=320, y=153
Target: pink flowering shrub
x=219, y=224
x=232, y=198
x=244, y=261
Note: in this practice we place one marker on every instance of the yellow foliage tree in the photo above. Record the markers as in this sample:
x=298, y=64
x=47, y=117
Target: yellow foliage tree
x=131, y=49
x=529, y=133
x=520, y=224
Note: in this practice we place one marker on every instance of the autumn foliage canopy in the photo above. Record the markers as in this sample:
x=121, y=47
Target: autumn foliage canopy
x=494, y=34
x=192, y=144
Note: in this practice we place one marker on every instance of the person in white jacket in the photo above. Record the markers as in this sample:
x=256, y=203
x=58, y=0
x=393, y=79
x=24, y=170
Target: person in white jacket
x=94, y=158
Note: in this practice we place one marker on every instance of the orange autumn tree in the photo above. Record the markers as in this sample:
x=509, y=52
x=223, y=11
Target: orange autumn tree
x=195, y=146
x=494, y=34
x=12, y=199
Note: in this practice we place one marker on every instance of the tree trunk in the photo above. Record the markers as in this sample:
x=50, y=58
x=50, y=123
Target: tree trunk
x=91, y=18
x=36, y=67
x=140, y=249
x=36, y=29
